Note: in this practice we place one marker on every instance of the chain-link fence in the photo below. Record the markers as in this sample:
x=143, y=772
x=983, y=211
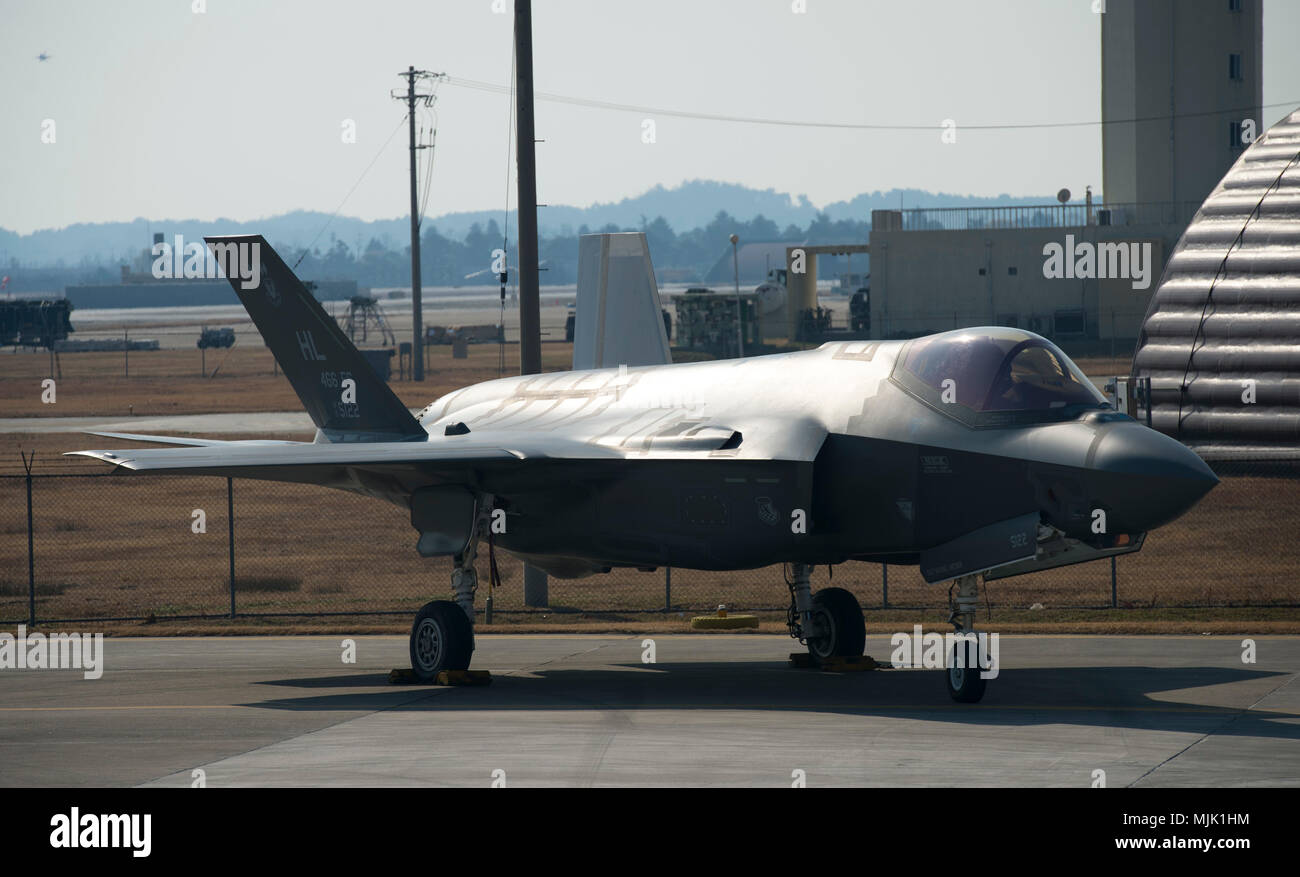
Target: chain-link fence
x=126, y=547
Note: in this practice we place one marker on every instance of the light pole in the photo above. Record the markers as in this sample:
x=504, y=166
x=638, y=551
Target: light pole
x=740, y=321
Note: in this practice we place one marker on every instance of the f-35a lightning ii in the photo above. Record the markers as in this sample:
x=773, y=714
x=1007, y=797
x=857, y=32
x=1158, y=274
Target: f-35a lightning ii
x=976, y=451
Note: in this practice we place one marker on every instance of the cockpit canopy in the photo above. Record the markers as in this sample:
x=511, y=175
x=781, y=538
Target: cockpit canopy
x=994, y=375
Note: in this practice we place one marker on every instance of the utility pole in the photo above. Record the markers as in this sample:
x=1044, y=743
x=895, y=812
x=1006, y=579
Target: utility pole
x=740, y=313
x=536, y=590
x=530, y=320
x=417, y=316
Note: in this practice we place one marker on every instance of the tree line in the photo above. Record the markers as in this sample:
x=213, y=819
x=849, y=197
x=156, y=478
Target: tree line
x=448, y=262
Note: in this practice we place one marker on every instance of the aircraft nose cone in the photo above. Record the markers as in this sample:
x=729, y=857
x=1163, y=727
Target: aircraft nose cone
x=1153, y=479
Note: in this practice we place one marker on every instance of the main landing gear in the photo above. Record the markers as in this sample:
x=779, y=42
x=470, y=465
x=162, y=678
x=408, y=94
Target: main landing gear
x=829, y=622
x=442, y=637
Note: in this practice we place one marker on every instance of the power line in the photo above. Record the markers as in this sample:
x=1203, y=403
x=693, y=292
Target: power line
x=430, y=115
x=335, y=214
x=431, y=145
x=478, y=85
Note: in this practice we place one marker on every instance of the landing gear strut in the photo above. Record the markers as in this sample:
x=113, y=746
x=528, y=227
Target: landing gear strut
x=829, y=623
x=442, y=637
x=963, y=673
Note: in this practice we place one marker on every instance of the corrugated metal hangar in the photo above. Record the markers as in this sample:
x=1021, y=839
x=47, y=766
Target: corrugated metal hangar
x=1221, y=339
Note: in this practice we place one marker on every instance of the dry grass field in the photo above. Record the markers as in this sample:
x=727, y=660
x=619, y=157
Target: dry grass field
x=169, y=381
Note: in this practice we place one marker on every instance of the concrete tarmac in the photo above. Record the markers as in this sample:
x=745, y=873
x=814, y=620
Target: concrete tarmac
x=712, y=710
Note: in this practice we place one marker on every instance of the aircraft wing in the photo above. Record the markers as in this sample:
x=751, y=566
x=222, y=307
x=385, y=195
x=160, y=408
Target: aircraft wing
x=386, y=470
x=190, y=442
x=393, y=469
x=260, y=460
x=323, y=462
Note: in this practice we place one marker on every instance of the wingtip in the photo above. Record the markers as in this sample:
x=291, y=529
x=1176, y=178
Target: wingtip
x=111, y=457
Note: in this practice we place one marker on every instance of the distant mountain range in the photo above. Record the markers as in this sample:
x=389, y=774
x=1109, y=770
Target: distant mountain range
x=688, y=206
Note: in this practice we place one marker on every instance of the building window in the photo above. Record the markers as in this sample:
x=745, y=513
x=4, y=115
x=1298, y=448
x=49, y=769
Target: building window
x=1074, y=322
x=1234, y=136
x=981, y=272
x=1234, y=5
x=1234, y=65
x=1012, y=272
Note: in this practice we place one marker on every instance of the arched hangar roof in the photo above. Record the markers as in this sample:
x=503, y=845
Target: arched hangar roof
x=1221, y=337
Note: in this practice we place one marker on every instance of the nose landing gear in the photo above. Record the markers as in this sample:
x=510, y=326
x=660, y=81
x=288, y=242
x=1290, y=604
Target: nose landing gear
x=963, y=672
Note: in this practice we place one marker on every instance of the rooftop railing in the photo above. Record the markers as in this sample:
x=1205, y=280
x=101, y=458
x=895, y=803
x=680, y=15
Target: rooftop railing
x=1048, y=216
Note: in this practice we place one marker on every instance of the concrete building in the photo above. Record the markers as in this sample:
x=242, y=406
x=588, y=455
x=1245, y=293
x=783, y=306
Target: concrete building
x=935, y=270
x=1189, y=70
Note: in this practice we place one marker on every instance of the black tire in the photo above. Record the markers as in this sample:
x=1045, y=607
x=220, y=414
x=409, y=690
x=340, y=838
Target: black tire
x=848, y=629
x=965, y=684
x=441, y=639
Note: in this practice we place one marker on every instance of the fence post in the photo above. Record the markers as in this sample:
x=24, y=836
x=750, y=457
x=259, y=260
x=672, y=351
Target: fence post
x=1114, y=585
x=230, y=528
x=884, y=586
x=668, y=589
x=31, y=554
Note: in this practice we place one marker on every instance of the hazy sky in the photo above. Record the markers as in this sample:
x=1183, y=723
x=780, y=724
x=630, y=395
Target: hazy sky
x=238, y=112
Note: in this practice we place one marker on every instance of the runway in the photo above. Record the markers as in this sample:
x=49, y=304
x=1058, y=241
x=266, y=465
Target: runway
x=711, y=711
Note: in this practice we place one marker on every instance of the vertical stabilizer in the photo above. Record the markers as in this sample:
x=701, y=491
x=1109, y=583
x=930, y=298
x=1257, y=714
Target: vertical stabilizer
x=345, y=398
x=619, y=319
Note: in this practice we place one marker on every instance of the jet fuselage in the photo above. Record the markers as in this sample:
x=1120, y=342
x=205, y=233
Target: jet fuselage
x=820, y=456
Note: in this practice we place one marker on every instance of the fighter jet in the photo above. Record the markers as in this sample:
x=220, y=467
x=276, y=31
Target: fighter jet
x=981, y=451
